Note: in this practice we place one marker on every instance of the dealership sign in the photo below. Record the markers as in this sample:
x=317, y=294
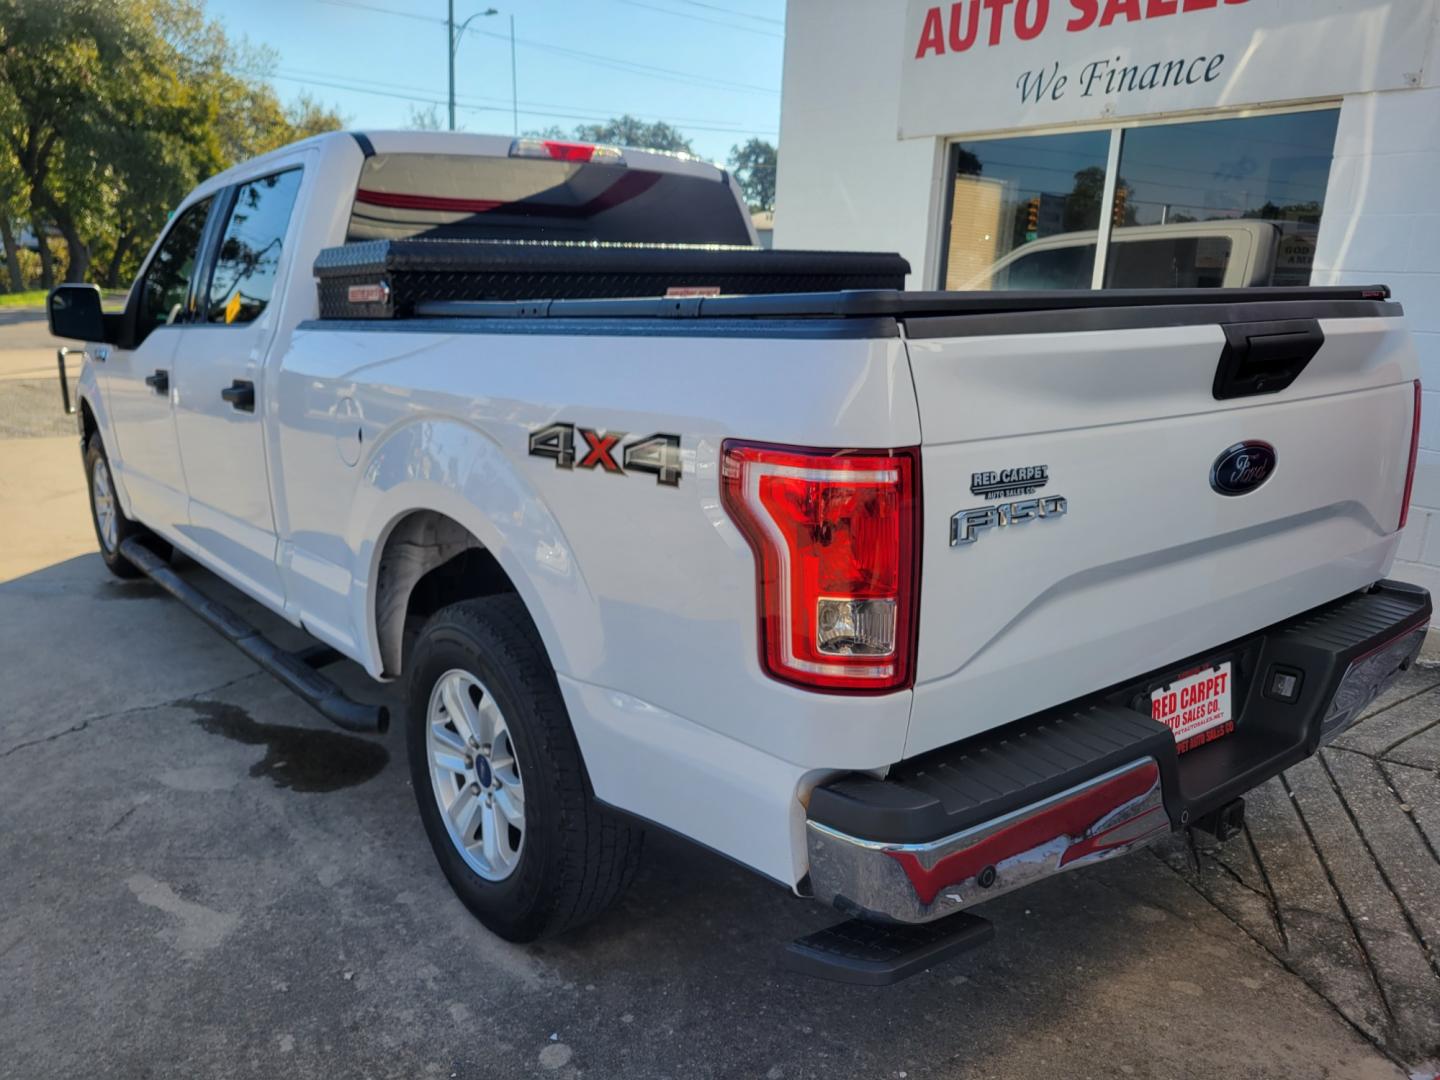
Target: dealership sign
x=993, y=65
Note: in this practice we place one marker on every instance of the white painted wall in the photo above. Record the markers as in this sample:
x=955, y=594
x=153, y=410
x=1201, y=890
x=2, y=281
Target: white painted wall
x=845, y=182
x=1382, y=224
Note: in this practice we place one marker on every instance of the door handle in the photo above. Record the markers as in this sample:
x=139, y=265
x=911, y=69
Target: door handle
x=159, y=382
x=241, y=395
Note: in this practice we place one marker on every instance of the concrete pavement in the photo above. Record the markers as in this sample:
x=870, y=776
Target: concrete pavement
x=199, y=877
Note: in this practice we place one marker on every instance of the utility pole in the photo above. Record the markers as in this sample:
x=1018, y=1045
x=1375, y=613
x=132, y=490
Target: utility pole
x=452, y=43
x=514, y=92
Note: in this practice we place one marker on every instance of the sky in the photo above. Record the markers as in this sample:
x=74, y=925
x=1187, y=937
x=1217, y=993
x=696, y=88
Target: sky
x=709, y=67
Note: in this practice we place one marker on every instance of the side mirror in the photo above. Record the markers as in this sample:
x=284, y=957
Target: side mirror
x=75, y=313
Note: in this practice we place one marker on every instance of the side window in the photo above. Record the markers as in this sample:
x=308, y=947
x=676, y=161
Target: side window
x=249, y=254
x=167, y=281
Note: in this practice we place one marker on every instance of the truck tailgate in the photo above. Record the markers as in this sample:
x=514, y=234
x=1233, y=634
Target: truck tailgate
x=1148, y=564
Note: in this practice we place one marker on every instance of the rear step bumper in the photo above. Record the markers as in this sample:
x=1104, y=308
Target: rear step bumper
x=1097, y=778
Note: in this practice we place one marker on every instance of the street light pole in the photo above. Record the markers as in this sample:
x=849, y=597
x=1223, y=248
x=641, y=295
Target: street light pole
x=453, y=33
x=514, y=93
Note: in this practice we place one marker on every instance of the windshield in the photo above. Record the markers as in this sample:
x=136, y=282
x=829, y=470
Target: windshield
x=469, y=197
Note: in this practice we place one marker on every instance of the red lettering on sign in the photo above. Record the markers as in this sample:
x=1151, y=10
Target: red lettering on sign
x=932, y=35
x=959, y=41
x=1115, y=8
x=1086, y=12
x=1027, y=28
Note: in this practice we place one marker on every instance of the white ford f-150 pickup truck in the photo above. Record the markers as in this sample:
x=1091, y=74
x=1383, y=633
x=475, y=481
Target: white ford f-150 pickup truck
x=901, y=599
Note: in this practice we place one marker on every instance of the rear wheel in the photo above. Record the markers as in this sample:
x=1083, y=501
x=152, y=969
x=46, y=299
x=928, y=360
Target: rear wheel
x=499, y=780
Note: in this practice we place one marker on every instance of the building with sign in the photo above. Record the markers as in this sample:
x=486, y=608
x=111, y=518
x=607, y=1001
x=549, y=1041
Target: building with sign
x=1061, y=144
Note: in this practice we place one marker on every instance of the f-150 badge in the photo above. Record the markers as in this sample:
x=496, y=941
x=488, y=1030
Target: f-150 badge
x=967, y=525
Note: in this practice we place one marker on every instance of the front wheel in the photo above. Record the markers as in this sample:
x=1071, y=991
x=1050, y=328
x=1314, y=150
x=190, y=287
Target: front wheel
x=499, y=780
x=112, y=527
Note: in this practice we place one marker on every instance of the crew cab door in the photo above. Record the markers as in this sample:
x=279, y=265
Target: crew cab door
x=137, y=382
x=219, y=369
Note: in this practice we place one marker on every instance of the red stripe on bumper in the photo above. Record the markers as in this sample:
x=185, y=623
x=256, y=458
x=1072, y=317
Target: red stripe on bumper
x=1071, y=817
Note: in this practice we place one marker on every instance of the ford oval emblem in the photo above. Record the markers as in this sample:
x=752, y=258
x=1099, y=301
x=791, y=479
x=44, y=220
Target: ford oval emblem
x=1243, y=468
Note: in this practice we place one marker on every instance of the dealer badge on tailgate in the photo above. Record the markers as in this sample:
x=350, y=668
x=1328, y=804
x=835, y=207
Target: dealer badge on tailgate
x=1196, y=706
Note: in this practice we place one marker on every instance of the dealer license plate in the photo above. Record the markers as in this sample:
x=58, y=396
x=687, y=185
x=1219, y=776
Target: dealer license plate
x=1196, y=707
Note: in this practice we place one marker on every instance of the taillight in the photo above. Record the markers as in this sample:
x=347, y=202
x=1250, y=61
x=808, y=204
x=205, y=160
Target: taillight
x=836, y=540
x=1414, y=453
x=557, y=150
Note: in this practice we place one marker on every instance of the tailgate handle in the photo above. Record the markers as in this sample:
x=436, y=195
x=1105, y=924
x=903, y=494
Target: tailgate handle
x=1265, y=357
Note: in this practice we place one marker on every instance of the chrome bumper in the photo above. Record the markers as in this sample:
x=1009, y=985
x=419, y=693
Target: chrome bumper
x=1367, y=678
x=1099, y=819
x=1109, y=815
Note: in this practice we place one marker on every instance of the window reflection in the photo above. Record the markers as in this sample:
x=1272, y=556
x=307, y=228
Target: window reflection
x=249, y=254
x=1010, y=195
x=1219, y=203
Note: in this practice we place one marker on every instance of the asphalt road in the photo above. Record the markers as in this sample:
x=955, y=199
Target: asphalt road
x=199, y=877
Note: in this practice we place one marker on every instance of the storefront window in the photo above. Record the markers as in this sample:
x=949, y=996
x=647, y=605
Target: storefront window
x=1231, y=203
x=1036, y=197
x=1220, y=203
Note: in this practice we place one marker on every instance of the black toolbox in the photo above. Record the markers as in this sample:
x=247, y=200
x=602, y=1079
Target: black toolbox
x=385, y=279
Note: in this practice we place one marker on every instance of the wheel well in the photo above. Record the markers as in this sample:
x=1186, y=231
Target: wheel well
x=88, y=427
x=429, y=561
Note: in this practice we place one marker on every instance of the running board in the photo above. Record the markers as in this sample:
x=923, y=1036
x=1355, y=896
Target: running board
x=866, y=953
x=296, y=671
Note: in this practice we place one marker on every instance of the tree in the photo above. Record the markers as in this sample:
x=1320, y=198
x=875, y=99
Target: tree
x=426, y=119
x=753, y=164
x=110, y=110
x=628, y=130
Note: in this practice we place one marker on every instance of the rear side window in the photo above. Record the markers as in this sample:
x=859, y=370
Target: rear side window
x=1049, y=268
x=249, y=254
x=471, y=197
x=167, y=280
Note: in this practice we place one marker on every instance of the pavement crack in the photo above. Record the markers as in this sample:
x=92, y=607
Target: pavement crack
x=1378, y=1044
x=1410, y=922
x=73, y=729
x=1424, y=839
x=1275, y=911
x=1345, y=911
x=121, y=714
x=1414, y=734
x=1402, y=701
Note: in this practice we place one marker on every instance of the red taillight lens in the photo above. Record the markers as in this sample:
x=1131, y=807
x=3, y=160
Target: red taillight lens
x=836, y=541
x=558, y=150
x=1414, y=454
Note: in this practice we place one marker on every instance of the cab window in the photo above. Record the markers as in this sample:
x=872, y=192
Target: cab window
x=249, y=255
x=166, y=288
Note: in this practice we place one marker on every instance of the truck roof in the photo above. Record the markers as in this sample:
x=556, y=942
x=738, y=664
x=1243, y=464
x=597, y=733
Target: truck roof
x=462, y=143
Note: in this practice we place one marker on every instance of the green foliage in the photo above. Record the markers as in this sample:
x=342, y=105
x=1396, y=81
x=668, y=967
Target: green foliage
x=111, y=110
x=628, y=130
x=753, y=164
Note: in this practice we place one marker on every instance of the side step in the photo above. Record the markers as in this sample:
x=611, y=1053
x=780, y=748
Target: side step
x=867, y=953
x=295, y=670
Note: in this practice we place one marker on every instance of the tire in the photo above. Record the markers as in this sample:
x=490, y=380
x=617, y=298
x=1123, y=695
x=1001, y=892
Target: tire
x=570, y=859
x=112, y=528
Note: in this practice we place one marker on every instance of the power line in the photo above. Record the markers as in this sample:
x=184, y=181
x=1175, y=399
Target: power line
x=703, y=19
x=613, y=63
x=535, y=108
x=732, y=11
x=420, y=99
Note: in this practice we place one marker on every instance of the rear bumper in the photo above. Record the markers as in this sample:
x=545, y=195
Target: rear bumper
x=1097, y=778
